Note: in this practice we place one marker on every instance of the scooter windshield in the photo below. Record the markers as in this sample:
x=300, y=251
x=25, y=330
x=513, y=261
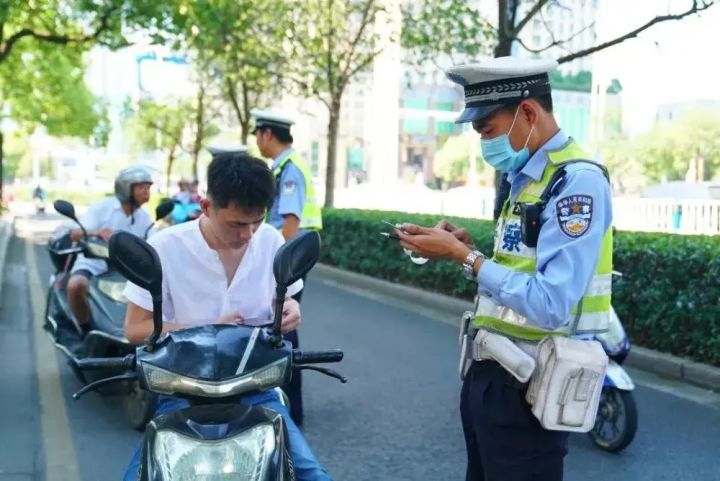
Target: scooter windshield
x=214, y=361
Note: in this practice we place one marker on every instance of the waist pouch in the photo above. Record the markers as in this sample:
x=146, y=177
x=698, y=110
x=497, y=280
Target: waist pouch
x=564, y=391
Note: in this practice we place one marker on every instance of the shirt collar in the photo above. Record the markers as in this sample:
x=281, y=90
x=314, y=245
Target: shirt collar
x=284, y=155
x=535, y=166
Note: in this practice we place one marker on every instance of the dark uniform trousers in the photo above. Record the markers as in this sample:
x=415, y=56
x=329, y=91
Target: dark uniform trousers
x=505, y=441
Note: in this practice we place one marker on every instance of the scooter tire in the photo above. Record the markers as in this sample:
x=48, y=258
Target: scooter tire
x=626, y=402
x=139, y=406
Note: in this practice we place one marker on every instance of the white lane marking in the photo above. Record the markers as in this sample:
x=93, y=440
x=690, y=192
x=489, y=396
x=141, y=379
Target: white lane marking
x=58, y=447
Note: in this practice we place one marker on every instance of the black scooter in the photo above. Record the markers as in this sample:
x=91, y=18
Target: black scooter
x=107, y=311
x=213, y=367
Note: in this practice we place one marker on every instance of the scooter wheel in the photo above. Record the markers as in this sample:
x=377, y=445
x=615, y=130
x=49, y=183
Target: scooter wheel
x=139, y=406
x=617, y=420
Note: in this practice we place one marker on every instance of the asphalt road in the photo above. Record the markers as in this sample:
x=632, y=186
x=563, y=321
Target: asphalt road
x=397, y=419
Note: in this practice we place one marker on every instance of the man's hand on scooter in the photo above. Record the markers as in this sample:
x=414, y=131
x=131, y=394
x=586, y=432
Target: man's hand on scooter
x=234, y=317
x=104, y=234
x=291, y=315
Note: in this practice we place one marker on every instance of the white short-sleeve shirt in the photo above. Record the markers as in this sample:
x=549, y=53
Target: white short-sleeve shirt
x=109, y=214
x=195, y=288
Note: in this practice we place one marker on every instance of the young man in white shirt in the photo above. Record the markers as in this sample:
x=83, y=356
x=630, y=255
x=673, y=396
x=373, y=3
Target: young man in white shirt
x=218, y=270
x=119, y=213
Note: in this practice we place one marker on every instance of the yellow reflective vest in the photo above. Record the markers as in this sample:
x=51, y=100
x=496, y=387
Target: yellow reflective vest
x=592, y=313
x=311, y=217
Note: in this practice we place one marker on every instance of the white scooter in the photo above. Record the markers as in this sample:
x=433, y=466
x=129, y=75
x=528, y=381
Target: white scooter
x=617, y=417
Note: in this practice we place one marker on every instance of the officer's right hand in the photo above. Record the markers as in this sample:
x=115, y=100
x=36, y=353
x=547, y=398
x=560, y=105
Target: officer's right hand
x=459, y=233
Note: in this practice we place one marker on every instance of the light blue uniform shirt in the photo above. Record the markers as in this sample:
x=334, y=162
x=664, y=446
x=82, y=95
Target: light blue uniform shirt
x=565, y=264
x=290, y=195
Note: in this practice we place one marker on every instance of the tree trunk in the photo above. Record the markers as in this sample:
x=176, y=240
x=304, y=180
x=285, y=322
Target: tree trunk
x=199, y=128
x=168, y=169
x=245, y=124
x=333, y=125
x=242, y=113
x=507, y=12
x=2, y=171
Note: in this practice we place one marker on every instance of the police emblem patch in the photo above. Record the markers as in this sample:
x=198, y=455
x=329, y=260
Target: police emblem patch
x=288, y=187
x=574, y=214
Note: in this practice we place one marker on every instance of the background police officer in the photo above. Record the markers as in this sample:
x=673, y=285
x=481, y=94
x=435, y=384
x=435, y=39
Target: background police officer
x=532, y=287
x=295, y=207
x=295, y=204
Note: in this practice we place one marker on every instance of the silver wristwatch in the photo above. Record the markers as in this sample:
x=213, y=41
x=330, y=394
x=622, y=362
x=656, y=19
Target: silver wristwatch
x=468, y=265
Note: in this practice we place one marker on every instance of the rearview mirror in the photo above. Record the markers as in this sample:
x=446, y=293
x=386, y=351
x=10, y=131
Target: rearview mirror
x=137, y=261
x=296, y=257
x=65, y=208
x=164, y=208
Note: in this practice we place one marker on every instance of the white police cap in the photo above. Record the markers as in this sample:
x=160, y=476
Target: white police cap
x=217, y=149
x=497, y=82
x=267, y=118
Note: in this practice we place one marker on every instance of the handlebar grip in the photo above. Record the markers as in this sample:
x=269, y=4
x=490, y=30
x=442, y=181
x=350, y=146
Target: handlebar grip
x=317, y=357
x=96, y=363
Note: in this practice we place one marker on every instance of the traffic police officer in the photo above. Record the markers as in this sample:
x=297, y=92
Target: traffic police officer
x=295, y=204
x=551, y=264
x=295, y=207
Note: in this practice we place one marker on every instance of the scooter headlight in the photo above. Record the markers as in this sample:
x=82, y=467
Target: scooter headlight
x=165, y=382
x=112, y=289
x=100, y=251
x=244, y=457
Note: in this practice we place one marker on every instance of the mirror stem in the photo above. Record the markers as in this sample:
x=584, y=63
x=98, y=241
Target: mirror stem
x=82, y=228
x=157, y=323
x=277, y=321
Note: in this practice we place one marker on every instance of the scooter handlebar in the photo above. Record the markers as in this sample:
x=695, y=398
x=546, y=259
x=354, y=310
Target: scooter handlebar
x=97, y=363
x=317, y=357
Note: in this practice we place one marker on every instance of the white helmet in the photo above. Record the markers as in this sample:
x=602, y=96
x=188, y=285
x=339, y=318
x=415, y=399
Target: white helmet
x=128, y=177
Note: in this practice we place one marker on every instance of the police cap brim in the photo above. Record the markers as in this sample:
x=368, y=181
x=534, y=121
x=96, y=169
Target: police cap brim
x=477, y=113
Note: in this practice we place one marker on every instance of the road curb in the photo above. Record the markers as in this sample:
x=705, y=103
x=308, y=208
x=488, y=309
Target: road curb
x=660, y=363
x=6, y=233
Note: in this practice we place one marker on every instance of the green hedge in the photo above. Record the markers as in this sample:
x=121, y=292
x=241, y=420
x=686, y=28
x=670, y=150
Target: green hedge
x=668, y=299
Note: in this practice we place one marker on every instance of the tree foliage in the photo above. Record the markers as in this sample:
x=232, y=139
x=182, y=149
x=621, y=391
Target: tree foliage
x=450, y=28
x=242, y=47
x=669, y=150
x=452, y=161
x=42, y=43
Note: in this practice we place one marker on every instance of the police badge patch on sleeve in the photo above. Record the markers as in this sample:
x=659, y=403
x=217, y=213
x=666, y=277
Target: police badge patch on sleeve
x=289, y=187
x=574, y=214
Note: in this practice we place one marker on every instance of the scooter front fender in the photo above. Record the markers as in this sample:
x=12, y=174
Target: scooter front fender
x=616, y=376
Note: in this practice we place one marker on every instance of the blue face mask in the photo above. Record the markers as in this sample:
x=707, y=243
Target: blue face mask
x=499, y=152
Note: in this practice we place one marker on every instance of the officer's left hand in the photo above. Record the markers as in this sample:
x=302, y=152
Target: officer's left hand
x=432, y=243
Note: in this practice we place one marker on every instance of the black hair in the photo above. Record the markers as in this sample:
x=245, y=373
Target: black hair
x=283, y=135
x=545, y=102
x=240, y=179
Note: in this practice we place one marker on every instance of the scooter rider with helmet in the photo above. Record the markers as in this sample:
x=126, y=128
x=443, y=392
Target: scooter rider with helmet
x=119, y=212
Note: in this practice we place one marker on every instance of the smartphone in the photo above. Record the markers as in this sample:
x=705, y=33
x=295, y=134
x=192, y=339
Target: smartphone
x=391, y=234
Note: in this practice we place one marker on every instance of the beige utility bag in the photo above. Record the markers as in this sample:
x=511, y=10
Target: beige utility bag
x=565, y=389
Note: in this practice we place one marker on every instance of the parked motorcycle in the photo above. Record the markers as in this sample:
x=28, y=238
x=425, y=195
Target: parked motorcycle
x=617, y=417
x=107, y=311
x=213, y=367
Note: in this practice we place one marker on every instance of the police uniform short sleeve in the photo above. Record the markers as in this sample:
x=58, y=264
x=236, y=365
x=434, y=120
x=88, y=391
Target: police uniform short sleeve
x=573, y=226
x=291, y=191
